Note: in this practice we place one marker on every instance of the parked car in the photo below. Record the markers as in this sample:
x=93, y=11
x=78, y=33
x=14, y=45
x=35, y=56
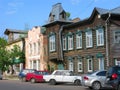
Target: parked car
x=62, y=76
x=23, y=73
x=36, y=76
x=1, y=77
x=95, y=80
x=113, y=77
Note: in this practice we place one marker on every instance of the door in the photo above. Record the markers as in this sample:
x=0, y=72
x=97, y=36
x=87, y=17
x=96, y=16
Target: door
x=60, y=67
x=101, y=64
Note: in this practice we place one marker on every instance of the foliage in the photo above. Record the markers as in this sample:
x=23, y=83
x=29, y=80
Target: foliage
x=16, y=52
x=4, y=55
x=7, y=56
x=67, y=14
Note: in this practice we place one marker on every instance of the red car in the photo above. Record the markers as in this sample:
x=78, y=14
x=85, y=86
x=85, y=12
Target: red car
x=36, y=76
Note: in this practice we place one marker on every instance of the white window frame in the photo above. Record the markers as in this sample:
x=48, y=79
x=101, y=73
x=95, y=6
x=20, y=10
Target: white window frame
x=35, y=64
x=34, y=49
x=89, y=40
x=100, y=37
x=38, y=48
x=117, y=36
x=117, y=62
x=70, y=42
x=64, y=43
x=30, y=49
x=52, y=43
x=80, y=64
x=71, y=65
x=78, y=40
x=90, y=64
x=101, y=63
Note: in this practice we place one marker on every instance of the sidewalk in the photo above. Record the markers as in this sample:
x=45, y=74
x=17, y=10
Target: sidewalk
x=11, y=77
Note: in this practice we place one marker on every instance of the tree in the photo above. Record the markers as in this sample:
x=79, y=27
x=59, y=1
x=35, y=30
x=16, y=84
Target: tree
x=68, y=15
x=17, y=56
x=4, y=55
x=17, y=53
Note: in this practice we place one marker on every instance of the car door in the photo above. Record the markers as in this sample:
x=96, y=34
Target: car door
x=58, y=76
x=102, y=76
x=68, y=77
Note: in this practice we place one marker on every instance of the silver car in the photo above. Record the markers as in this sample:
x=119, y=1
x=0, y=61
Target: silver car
x=95, y=80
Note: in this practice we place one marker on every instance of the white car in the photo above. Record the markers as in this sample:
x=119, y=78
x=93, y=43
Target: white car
x=62, y=76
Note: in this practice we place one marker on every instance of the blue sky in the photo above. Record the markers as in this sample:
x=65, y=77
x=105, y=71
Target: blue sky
x=21, y=14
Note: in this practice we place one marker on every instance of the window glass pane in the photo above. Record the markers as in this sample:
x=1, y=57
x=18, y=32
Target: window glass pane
x=64, y=43
x=70, y=42
x=89, y=40
x=52, y=43
x=79, y=41
x=100, y=37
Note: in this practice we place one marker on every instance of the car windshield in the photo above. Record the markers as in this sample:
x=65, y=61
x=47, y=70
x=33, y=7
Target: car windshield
x=42, y=72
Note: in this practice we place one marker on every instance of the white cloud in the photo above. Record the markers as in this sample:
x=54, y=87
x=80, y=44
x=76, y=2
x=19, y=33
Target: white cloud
x=13, y=7
x=75, y=2
x=11, y=12
x=15, y=4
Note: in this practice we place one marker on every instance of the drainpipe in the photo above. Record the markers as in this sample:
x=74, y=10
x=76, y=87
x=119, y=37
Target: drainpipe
x=107, y=51
x=60, y=38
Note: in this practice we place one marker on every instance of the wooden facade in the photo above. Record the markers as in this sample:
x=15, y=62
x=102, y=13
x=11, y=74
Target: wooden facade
x=85, y=59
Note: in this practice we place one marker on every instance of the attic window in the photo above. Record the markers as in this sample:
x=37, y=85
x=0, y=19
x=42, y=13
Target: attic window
x=99, y=16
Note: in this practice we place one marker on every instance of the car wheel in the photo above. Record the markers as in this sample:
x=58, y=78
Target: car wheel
x=96, y=85
x=52, y=82
x=77, y=82
x=23, y=79
x=32, y=80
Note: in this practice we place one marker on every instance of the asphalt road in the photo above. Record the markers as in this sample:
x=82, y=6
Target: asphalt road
x=18, y=85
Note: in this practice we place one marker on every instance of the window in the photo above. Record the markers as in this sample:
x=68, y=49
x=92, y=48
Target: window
x=71, y=65
x=38, y=64
x=80, y=68
x=64, y=43
x=70, y=42
x=117, y=61
x=101, y=63
x=117, y=36
x=102, y=73
x=79, y=40
x=52, y=43
x=30, y=49
x=90, y=65
x=31, y=65
x=38, y=47
x=89, y=41
x=100, y=37
x=34, y=48
x=34, y=64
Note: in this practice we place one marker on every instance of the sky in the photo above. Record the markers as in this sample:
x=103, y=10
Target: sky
x=25, y=14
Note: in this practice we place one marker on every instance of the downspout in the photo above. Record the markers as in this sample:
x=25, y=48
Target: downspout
x=60, y=38
x=106, y=29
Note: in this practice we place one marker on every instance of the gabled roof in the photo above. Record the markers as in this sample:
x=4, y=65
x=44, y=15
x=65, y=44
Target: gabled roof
x=115, y=11
x=57, y=22
x=106, y=11
x=100, y=11
x=7, y=31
